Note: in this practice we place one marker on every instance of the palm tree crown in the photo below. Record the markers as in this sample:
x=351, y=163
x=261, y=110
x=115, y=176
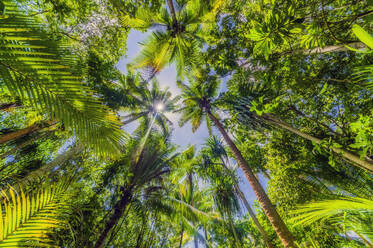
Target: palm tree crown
x=149, y=104
x=181, y=30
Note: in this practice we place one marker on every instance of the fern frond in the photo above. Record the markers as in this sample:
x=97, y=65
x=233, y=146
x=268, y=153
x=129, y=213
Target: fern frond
x=41, y=71
x=29, y=217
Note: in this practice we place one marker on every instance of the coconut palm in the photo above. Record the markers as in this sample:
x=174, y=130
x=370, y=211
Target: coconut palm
x=216, y=149
x=151, y=105
x=43, y=74
x=200, y=101
x=180, y=32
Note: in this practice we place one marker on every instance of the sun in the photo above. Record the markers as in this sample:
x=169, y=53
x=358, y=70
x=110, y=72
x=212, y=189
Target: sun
x=159, y=106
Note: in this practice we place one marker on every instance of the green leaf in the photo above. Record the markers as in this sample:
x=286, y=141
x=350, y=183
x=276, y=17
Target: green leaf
x=363, y=35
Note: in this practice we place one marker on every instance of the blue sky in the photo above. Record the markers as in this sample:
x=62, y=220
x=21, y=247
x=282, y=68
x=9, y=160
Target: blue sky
x=182, y=136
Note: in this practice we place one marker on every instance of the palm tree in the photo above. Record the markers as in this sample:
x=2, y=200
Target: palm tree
x=199, y=101
x=217, y=150
x=146, y=166
x=149, y=104
x=182, y=29
x=27, y=218
x=42, y=73
x=187, y=193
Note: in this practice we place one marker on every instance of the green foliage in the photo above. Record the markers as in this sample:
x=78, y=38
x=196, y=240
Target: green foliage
x=42, y=72
x=27, y=217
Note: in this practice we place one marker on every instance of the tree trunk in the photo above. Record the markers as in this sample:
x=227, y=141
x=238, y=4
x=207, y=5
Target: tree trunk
x=173, y=13
x=281, y=229
x=119, y=208
x=181, y=236
x=23, y=144
x=247, y=205
x=23, y=132
x=345, y=154
x=329, y=49
x=8, y=106
x=59, y=161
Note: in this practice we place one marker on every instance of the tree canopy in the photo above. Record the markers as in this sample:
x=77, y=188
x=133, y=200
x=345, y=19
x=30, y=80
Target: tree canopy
x=90, y=134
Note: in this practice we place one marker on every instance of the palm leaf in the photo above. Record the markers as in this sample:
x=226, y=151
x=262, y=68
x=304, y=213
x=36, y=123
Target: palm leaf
x=41, y=71
x=28, y=218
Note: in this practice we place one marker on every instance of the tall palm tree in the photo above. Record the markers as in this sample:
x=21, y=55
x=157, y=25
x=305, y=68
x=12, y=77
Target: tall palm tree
x=149, y=104
x=181, y=30
x=217, y=150
x=200, y=101
x=146, y=166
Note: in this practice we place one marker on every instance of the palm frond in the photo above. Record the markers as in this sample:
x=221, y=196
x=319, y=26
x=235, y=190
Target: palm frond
x=42, y=72
x=27, y=218
x=315, y=211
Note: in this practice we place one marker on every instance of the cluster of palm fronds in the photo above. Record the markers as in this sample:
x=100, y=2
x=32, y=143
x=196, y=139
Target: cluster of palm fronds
x=26, y=218
x=45, y=75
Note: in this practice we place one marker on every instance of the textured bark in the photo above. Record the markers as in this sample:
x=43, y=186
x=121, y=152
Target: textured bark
x=281, y=229
x=119, y=208
x=249, y=210
x=367, y=165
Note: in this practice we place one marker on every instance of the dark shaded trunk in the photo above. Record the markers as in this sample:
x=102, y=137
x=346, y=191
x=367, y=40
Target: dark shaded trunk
x=281, y=229
x=23, y=132
x=181, y=237
x=348, y=156
x=119, y=208
x=23, y=144
x=247, y=205
x=8, y=106
x=173, y=13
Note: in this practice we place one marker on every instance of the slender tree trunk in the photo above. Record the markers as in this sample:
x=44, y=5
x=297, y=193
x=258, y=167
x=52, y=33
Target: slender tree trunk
x=181, y=237
x=173, y=13
x=367, y=165
x=8, y=106
x=281, y=229
x=247, y=205
x=59, y=161
x=195, y=239
x=23, y=132
x=119, y=208
x=23, y=144
x=236, y=239
x=329, y=49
